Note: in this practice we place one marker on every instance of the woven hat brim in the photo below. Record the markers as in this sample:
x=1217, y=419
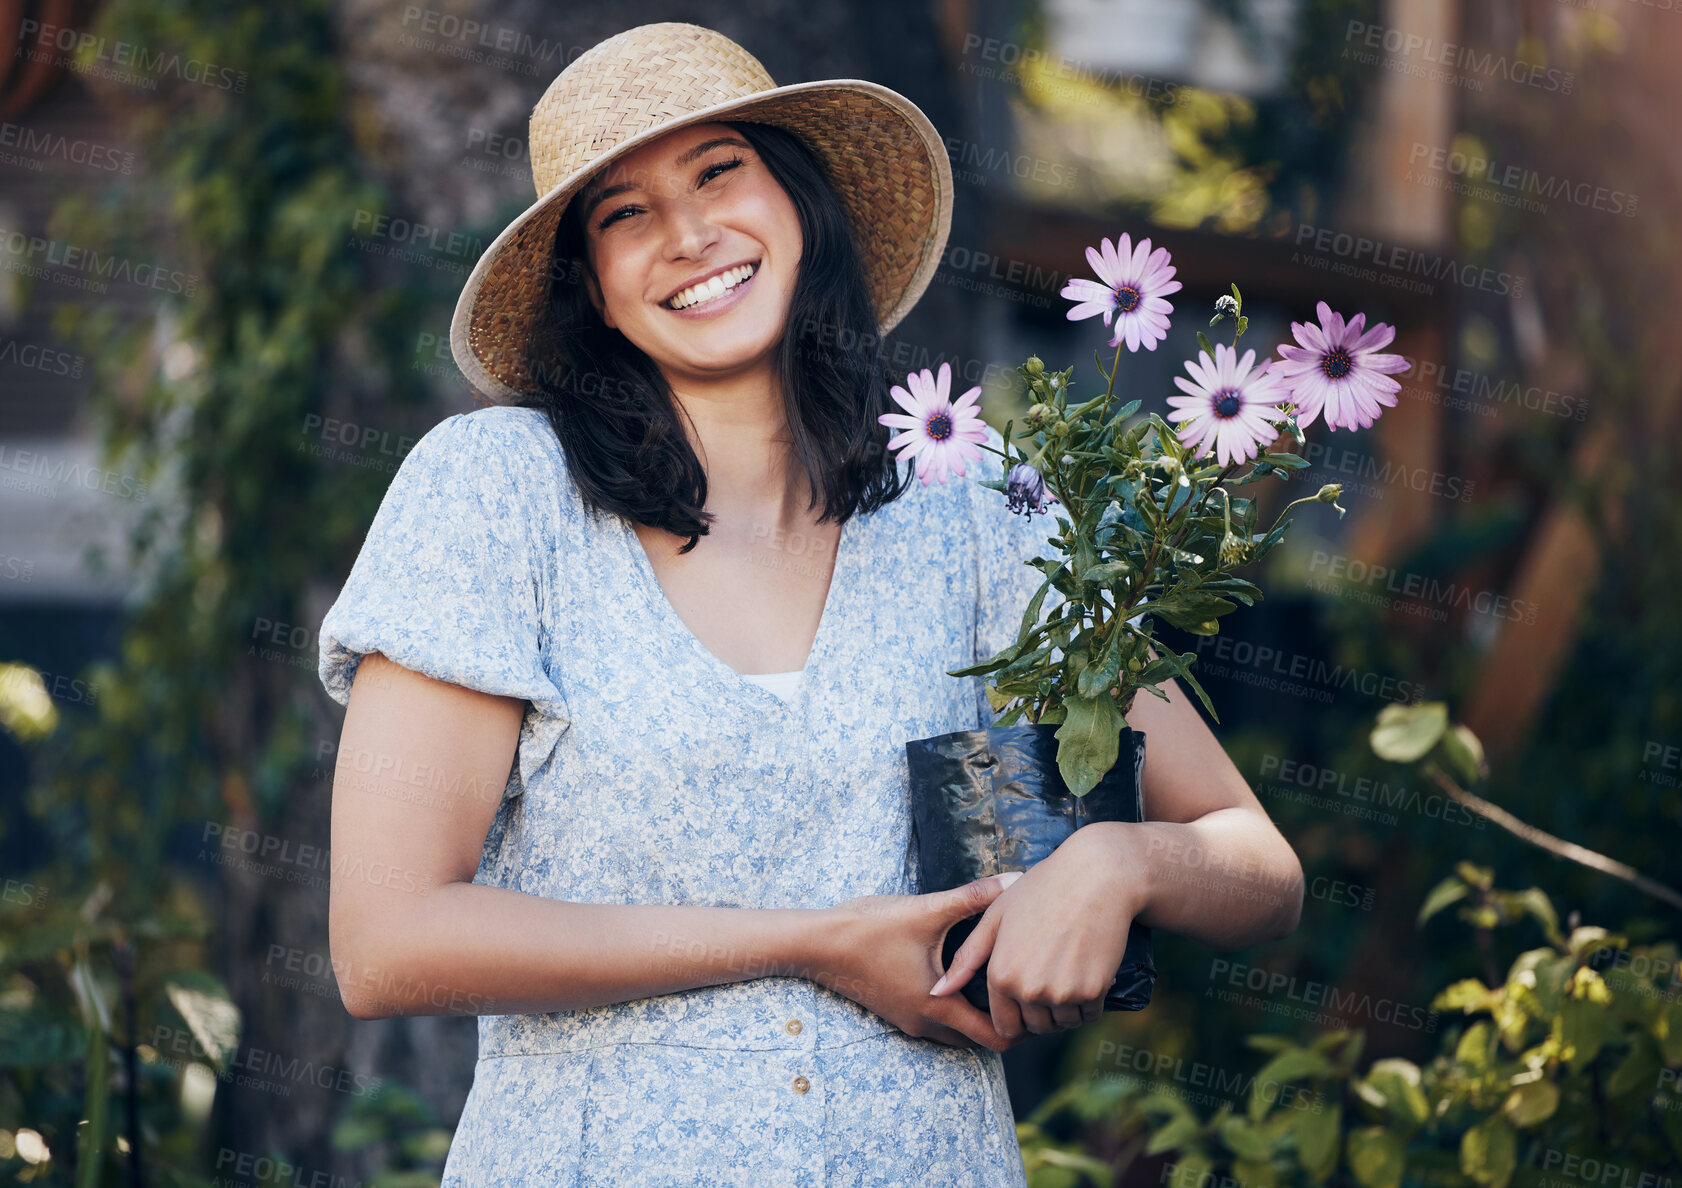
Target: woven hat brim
x=890, y=171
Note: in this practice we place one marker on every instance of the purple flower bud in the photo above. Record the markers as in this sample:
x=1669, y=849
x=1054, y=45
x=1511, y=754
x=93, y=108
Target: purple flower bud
x=1025, y=491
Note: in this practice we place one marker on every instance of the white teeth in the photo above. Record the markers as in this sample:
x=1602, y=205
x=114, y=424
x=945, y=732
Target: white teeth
x=712, y=289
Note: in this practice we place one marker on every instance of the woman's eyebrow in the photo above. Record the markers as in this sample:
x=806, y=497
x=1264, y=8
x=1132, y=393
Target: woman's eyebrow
x=592, y=197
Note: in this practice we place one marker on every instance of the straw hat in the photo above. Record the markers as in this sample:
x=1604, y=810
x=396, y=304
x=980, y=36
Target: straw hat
x=884, y=158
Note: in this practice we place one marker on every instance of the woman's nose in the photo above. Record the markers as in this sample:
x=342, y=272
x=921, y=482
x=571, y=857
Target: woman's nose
x=688, y=231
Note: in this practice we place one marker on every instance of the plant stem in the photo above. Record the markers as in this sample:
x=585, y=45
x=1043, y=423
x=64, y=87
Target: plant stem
x=1558, y=847
x=1110, y=392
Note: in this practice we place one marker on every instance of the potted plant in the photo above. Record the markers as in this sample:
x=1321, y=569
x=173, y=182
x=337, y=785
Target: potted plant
x=1150, y=528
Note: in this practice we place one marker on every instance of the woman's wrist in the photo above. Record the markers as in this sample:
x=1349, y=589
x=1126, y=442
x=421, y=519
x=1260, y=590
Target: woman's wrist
x=1119, y=854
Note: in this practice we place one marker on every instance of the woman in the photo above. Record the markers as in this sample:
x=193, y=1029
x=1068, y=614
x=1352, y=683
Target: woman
x=630, y=663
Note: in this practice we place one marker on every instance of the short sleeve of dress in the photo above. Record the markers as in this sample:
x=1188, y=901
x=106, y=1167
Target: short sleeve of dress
x=1007, y=542
x=449, y=581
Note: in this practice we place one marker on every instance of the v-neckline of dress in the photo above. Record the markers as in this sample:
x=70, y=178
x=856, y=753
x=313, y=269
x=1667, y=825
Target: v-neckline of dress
x=654, y=595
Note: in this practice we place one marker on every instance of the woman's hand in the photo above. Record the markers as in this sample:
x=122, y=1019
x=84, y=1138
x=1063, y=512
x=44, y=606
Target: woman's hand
x=885, y=954
x=1054, y=941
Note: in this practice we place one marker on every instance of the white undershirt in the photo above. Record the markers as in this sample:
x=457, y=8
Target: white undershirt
x=783, y=684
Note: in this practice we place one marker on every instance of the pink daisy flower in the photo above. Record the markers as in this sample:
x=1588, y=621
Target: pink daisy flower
x=1228, y=404
x=1336, y=367
x=1135, y=282
x=942, y=434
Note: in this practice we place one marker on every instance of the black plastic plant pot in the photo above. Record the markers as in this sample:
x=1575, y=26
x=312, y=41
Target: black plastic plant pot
x=993, y=800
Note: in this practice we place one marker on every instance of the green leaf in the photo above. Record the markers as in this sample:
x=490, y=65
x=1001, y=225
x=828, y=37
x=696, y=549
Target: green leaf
x=1475, y=1048
x=1397, y=1083
x=1531, y=1103
x=1203, y=341
x=1255, y=1173
x=1192, y=1171
x=1298, y=1064
x=1375, y=1156
x=1581, y=1028
x=1489, y=1151
x=1106, y=571
x=1096, y=680
x=1088, y=741
x=1190, y=610
x=1468, y=994
x=1464, y=753
x=1536, y=902
x=1172, y=1136
x=1450, y=890
x=1638, y=1071
x=1670, y=1033
x=1317, y=1135
x=1243, y=1140
x=210, y=1014
x=90, y=1142
x=1406, y=733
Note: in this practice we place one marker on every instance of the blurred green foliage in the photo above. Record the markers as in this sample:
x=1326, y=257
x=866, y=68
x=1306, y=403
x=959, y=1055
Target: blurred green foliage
x=1570, y=1066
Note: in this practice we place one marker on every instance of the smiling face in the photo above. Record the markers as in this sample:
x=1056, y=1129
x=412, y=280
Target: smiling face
x=694, y=247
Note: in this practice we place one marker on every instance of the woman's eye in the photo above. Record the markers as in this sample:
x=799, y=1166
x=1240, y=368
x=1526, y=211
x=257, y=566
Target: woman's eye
x=707, y=174
x=712, y=171
x=614, y=216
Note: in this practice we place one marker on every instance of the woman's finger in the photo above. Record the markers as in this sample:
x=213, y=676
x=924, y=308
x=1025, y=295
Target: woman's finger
x=1068, y=1015
x=970, y=955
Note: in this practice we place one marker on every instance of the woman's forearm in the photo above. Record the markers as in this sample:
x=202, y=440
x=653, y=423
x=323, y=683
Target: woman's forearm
x=1226, y=879
x=469, y=948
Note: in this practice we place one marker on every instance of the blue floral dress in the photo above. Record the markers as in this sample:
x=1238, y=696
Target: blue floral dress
x=649, y=771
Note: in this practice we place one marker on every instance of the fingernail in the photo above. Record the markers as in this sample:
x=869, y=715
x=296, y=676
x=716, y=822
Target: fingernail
x=938, y=986
x=1010, y=878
